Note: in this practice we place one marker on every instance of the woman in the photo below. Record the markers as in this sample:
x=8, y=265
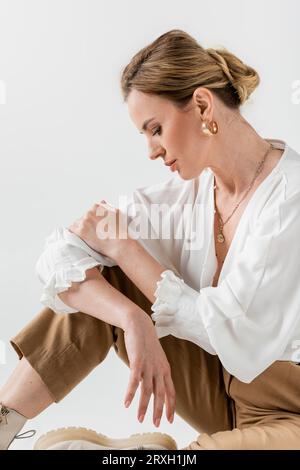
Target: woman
x=210, y=323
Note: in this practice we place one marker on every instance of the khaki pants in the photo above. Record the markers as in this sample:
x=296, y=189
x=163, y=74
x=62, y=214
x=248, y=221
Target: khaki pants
x=227, y=413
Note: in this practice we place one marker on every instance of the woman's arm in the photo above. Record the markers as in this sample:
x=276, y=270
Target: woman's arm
x=174, y=302
x=104, y=229
x=143, y=270
x=97, y=297
x=148, y=362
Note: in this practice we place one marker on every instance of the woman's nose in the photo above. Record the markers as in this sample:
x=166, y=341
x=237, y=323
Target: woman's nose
x=155, y=155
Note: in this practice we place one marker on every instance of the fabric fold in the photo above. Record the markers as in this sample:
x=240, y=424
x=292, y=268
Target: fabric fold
x=175, y=311
x=65, y=259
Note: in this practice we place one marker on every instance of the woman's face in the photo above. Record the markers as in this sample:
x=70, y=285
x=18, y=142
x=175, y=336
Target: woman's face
x=171, y=134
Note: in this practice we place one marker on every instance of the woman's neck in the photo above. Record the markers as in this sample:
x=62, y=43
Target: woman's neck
x=236, y=155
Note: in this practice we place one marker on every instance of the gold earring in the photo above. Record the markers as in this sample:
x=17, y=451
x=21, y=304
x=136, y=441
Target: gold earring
x=209, y=129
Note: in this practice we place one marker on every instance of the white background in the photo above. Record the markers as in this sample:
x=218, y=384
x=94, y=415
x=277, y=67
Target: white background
x=66, y=141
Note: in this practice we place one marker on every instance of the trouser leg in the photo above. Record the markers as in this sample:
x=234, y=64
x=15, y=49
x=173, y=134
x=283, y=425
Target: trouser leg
x=267, y=412
x=64, y=349
x=277, y=435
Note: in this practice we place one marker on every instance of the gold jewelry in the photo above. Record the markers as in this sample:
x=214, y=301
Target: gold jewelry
x=220, y=236
x=209, y=129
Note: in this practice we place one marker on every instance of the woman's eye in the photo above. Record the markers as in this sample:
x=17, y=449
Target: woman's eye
x=156, y=131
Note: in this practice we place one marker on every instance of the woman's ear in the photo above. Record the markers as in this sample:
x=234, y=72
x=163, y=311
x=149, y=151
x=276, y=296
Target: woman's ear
x=204, y=101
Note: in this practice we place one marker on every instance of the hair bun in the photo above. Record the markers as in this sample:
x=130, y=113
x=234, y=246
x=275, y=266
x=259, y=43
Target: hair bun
x=241, y=76
x=174, y=65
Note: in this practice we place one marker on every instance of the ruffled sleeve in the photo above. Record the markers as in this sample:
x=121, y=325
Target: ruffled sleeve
x=65, y=259
x=175, y=311
x=250, y=318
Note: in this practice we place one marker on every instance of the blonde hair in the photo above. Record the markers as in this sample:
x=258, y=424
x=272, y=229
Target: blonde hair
x=174, y=65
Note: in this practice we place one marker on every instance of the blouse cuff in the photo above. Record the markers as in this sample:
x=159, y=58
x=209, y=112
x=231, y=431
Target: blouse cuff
x=61, y=280
x=176, y=311
x=62, y=262
x=170, y=292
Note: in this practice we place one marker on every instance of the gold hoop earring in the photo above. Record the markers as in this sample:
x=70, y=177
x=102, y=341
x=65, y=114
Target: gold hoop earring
x=209, y=129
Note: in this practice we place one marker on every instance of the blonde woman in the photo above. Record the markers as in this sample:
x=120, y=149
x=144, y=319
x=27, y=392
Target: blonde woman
x=208, y=322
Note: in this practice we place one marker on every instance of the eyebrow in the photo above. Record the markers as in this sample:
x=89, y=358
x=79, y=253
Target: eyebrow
x=146, y=124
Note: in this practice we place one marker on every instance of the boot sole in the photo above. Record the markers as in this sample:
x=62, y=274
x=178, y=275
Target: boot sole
x=76, y=433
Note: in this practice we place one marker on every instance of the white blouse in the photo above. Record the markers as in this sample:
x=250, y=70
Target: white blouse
x=252, y=317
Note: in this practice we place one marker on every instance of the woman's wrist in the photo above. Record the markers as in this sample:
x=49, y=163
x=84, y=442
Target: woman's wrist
x=123, y=249
x=133, y=317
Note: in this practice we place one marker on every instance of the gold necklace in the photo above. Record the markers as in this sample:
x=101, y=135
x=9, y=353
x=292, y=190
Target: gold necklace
x=220, y=236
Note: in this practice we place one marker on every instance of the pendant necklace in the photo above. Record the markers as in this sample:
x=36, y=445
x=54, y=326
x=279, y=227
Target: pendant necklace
x=220, y=235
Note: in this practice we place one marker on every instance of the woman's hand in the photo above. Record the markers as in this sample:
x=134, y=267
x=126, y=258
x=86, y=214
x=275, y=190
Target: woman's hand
x=149, y=365
x=103, y=227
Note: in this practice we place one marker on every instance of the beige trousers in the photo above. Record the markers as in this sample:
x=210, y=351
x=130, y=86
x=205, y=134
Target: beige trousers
x=227, y=413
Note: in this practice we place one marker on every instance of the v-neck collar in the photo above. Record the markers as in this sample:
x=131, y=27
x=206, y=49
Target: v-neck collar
x=278, y=144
